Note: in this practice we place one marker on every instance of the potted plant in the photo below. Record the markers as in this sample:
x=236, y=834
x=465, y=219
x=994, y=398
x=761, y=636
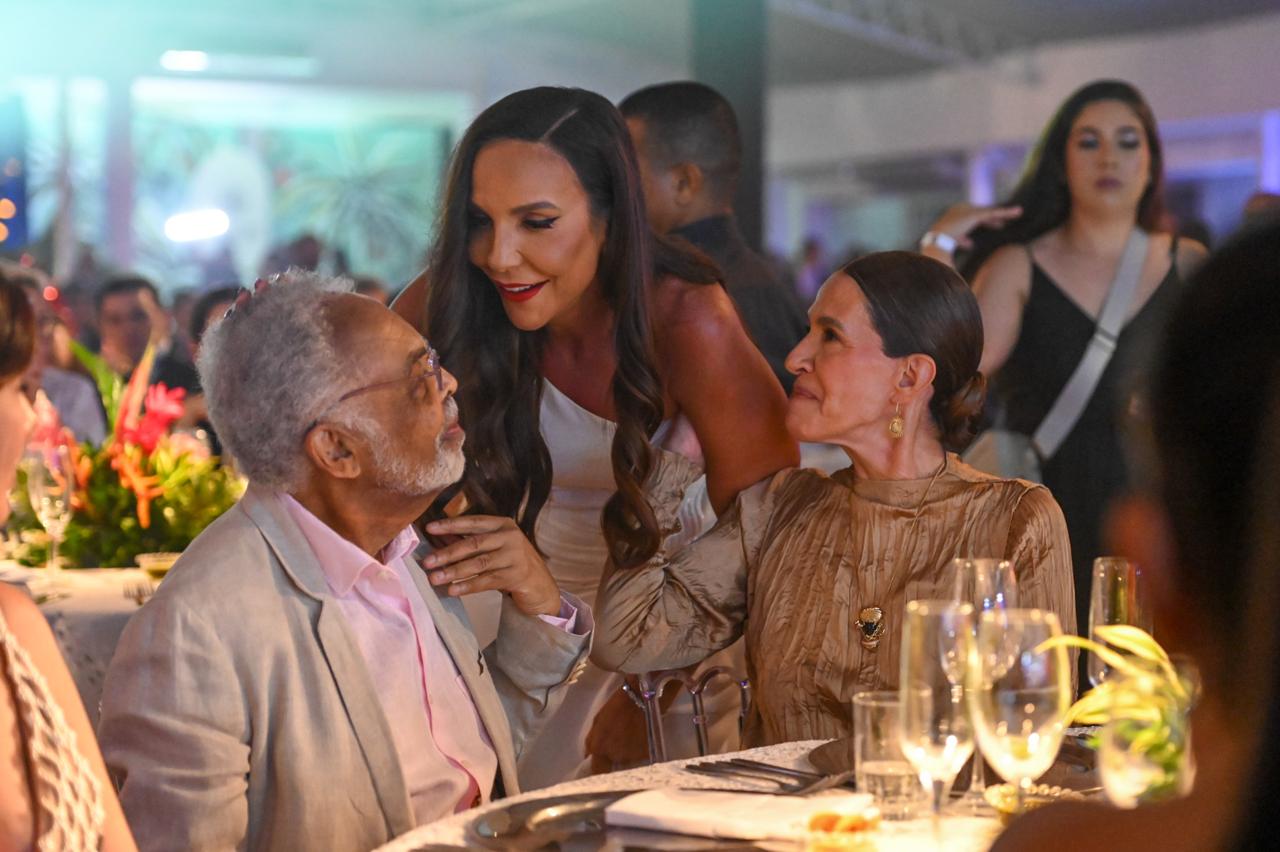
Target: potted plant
x=145, y=489
x=1143, y=713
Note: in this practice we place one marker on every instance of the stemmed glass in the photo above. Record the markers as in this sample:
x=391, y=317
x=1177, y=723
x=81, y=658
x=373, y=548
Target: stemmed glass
x=937, y=739
x=1117, y=596
x=50, y=483
x=987, y=584
x=1019, y=694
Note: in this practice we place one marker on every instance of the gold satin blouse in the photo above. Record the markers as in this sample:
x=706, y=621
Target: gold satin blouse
x=796, y=558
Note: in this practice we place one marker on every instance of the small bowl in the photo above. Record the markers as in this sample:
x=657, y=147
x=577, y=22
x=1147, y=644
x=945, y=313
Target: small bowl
x=156, y=564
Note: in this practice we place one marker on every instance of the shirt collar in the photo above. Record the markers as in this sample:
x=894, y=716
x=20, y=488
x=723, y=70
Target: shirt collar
x=713, y=231
x=341, y=561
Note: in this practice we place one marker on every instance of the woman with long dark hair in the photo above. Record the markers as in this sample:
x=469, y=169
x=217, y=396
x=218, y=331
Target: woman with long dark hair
x=1042, y=266
x=599, y=367
x=889, y=373
x=1205, y=530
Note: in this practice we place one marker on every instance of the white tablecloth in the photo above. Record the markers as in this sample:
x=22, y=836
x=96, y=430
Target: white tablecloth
x=961, y=834
x=87, y=610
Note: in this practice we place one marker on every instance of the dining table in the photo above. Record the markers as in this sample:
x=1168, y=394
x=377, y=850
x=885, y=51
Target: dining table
x=87, y=610
x=962, y=833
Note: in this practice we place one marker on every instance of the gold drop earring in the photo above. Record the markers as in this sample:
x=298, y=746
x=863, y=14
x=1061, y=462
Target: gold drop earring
x=896, y=424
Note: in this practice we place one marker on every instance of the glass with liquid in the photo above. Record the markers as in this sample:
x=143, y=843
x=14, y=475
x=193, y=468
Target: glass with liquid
x=882, y=769
x=1020, y=694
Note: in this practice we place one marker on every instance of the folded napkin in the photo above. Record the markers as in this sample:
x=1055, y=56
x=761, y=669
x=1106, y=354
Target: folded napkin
x=738, y=816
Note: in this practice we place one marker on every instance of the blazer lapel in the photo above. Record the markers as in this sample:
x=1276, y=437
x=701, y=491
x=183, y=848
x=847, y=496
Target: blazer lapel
x=350, y=673
x=460, y=640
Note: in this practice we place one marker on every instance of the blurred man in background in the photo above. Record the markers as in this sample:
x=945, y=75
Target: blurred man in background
x=686, y=137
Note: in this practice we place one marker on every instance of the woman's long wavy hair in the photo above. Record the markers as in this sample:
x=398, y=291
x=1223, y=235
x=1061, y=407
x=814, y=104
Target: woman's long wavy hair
x=498, y=366
x=1042, y=191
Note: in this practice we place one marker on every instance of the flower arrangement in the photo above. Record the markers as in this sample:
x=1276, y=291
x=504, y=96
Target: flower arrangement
x=1143, y=709
x=145, y=489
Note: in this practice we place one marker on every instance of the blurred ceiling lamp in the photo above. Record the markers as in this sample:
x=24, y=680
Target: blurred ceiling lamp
x=191, y=61
x=240, y=63
x=193, y=225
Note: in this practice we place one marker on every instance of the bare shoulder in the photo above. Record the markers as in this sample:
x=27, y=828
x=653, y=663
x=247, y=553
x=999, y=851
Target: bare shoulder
x=28, y=625
x=1070, y=826
x=411, y=304
x=678, y=303
x=1009, y=267
x=21, y=613
x=689, y=318
x=1060, y=826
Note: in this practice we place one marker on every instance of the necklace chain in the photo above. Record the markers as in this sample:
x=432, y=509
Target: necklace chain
x=871, y=620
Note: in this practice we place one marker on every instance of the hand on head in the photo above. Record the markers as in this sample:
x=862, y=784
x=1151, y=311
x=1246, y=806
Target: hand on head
x=960, y=220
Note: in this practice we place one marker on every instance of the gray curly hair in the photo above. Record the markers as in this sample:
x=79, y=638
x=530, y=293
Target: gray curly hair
x=268, y=370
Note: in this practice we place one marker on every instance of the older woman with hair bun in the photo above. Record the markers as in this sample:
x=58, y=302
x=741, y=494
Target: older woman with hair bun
x=816, y=571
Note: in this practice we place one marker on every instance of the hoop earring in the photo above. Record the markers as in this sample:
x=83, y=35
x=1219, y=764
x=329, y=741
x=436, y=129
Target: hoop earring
x=896, y=424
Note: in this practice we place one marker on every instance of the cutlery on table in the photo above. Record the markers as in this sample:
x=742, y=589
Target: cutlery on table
x=139, y=592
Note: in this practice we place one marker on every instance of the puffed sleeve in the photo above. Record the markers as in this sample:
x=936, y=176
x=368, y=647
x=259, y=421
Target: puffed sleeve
x=677, y=610
x=1041, y=551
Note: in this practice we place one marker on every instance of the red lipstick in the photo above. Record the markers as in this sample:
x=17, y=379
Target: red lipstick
x=519, y=292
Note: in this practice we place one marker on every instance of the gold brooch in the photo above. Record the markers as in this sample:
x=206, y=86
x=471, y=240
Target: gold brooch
x=871, y=623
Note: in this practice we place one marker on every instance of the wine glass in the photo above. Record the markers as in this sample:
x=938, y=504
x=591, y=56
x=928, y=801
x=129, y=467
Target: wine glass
x=1117, y=596
x=987, y=584
x=50, y=484
x=937, y=739
x=1019, y=694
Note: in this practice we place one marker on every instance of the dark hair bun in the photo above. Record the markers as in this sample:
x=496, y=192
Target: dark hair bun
x=958, y=418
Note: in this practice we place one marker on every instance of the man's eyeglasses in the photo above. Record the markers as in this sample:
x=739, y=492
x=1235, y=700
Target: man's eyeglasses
x=425, y=371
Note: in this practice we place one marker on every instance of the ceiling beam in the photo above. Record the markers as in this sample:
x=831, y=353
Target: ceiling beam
x=925, y=31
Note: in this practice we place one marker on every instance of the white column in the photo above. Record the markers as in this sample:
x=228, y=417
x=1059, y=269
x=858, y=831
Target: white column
x=1269, y=166
x=119, y=170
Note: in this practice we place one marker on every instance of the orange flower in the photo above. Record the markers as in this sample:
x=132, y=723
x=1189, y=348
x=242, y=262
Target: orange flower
x=144, y=487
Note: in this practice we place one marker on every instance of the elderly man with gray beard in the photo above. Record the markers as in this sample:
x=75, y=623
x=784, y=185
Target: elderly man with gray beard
x=298, y=681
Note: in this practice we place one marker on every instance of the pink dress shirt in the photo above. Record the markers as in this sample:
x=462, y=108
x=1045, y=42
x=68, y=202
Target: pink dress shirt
x=445, y=753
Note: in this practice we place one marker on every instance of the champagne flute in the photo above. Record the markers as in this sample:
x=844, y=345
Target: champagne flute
x=49, y=487
x=987, y=584
x=1117, y=596
x=935, y=732
x=1019, y=694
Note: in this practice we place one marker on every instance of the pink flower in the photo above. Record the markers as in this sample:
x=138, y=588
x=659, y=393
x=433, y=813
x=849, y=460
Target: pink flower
x=163, y=406
x=47, y=432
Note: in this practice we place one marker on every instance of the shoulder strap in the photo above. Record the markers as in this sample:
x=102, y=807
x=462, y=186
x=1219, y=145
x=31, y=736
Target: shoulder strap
x=1067, y=408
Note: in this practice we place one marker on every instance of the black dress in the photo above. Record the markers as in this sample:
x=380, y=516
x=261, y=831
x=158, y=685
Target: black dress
x=1089, y=469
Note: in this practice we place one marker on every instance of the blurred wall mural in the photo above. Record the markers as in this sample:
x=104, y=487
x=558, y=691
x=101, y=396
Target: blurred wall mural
x=358, y=187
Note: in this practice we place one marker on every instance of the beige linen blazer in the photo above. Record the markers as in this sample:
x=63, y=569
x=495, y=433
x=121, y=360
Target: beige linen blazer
x=238, y=712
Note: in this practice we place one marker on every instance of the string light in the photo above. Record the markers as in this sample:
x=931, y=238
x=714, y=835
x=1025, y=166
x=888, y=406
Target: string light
x=7, y=211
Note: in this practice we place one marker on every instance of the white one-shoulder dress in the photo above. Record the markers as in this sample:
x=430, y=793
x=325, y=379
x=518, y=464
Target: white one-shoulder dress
x=569, y=533
x=66, y=797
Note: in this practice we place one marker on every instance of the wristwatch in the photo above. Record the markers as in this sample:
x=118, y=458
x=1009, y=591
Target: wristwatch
x=946, y=242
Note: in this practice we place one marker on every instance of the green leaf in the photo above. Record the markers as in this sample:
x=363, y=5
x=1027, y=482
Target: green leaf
x=1111, y=658
x=1140, y=643
x=110, y=384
